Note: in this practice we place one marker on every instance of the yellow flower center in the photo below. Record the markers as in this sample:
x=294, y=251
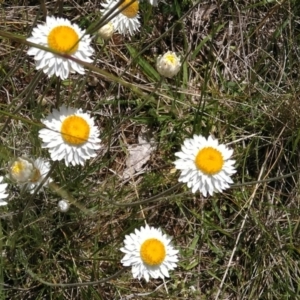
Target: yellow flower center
x=171, y=59
x=153, y=252
x=130, y=11
x=75, y=130
x=36, y=175
x=209, y=160
x=17, y=167
x=21, y=170
x=63, y=39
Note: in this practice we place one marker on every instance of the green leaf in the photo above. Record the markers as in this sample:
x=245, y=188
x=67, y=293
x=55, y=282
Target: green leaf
x=148, y=70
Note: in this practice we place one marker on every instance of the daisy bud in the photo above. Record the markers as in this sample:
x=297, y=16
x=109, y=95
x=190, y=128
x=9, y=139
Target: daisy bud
x=63, y=205
x=106, y=31
x=153, y=2
x=168, y=65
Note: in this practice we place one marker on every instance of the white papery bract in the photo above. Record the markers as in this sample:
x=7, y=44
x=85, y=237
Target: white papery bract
x=70, y=135
x=205, y=165
x=168, y=65
x=60, y=35
x=127, y=20
x=3, y=194
x=150, y=253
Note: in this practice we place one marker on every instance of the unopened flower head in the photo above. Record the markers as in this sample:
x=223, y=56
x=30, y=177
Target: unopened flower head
x=150, y=253
x=106, y=31
x=21, y=170
x=3, y=194
x=61, y=36
x=127, y=20
x=153, y=2
x=39, y=172
x=205, y=165
x=63, y=205
x=168, y=65
x=70, y=135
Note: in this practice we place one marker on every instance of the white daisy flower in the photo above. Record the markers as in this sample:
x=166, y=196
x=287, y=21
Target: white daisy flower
x=3, y=194
x=127, y=21
x=39, y=172
x=168, y=65
x=205, y=165
x=64, y=37
x=70, y=134
x=150, y=253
